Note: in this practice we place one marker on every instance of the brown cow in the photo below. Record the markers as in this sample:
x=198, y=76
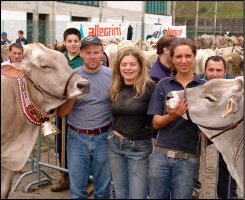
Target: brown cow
x=45, y=75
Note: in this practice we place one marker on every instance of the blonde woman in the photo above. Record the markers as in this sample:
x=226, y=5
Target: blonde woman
x=130, y=144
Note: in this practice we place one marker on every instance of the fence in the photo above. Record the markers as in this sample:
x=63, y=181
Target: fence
x=36, y=165
x=206, y=25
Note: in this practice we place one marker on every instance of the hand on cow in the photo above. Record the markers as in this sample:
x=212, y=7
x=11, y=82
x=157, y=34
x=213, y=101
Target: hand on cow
x=179, y=110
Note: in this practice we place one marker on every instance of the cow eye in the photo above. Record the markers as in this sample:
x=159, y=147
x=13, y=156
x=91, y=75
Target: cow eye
x=210, y=99
x=45, y=66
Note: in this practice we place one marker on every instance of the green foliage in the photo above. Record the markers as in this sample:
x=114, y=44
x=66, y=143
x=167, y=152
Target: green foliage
x=225, y=9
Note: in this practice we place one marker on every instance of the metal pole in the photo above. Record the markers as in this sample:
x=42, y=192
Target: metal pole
x=202, y=165
x=196, y=25
x=215, y=17
x=174, y=7
x=33, y=26
x=54, y=23
x=63, y=142
x=36, y=24
x=143, y=21
x=205, y=23
x=100, y=15
x=70, y=16
x=122, y=18
x=220, y=24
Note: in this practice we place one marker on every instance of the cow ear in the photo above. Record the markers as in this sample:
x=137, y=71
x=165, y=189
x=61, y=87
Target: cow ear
x=13, y=70
x=231, y=108
x=9, y=71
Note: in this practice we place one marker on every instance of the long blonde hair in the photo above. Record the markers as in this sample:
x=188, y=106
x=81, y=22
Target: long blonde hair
x=117, y=79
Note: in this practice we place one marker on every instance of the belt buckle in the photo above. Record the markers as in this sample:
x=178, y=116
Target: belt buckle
x=88, y=131
x=171, y=154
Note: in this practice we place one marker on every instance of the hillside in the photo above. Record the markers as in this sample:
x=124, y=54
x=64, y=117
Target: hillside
x=225, y=9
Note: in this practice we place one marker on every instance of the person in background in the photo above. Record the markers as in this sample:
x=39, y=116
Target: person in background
x=72, y=42
x=15, y=53
x=155, y=34
x=89, y=125
x=215, y=67
x=163, y=32
x=130, y=144
x=175, y=160
x=21, y=39
x=130, y=33
x=5, y=40
x=162, y=67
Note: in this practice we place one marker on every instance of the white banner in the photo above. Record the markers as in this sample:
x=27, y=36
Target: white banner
x=107, y=30
x=178, y=31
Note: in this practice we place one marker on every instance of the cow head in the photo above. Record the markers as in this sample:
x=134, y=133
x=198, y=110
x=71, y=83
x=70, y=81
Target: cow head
x=49, y=70
x=218, y=100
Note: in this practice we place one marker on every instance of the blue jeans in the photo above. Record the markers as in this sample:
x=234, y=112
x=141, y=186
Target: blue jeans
x=85, y=152
x=171, y=177
x=130, y=166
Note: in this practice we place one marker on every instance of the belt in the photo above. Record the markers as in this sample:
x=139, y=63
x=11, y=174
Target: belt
x=91, y=131
x=175, y=154
x=123, y=140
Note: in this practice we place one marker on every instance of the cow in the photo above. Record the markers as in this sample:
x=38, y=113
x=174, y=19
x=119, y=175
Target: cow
x=205, y=41
x=29, y=91
x=4, y=52
x=217, y=108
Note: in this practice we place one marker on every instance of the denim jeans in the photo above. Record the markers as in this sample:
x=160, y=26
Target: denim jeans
x=171, y=177
x=130, y=167
x=85, y=152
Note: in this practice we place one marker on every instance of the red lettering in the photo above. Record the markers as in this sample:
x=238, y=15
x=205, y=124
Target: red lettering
x=101, y=31
x=91, y=31
x=105, y=31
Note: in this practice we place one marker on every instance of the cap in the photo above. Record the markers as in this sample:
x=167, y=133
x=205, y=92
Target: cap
x=91, y=39
x=4, y=33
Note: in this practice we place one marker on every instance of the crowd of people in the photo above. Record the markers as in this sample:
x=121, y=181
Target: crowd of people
x=122, y=132
x=20, y=40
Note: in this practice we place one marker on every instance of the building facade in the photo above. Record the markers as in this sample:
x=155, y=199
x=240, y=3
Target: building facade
x=45, y=21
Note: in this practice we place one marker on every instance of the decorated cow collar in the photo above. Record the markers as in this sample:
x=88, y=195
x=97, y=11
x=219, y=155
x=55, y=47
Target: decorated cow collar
x=31, y=111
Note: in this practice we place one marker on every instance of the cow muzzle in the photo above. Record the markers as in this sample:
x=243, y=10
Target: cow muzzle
x=172, y=99
x=82, y=89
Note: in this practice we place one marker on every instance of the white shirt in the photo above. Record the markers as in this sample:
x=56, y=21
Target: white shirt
x=6, y=62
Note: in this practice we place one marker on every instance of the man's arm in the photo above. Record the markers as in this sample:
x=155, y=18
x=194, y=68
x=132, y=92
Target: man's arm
x=160, y=121
x=65, y=108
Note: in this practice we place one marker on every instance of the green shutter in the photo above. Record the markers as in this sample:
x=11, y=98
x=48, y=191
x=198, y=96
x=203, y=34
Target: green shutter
x=156, y=7
x=92, y=3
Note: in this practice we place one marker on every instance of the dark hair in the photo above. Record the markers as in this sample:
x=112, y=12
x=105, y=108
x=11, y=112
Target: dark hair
x=71, y=31
x=20, y=32
x=165, y=41
x=180, y=42
x=216, y=59
x=16, y=45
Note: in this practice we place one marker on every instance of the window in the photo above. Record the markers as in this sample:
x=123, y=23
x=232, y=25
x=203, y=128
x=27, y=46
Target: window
x=89, y=3
x=156, y=7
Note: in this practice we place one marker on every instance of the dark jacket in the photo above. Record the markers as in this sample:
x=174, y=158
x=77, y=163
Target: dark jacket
x=227, y=76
